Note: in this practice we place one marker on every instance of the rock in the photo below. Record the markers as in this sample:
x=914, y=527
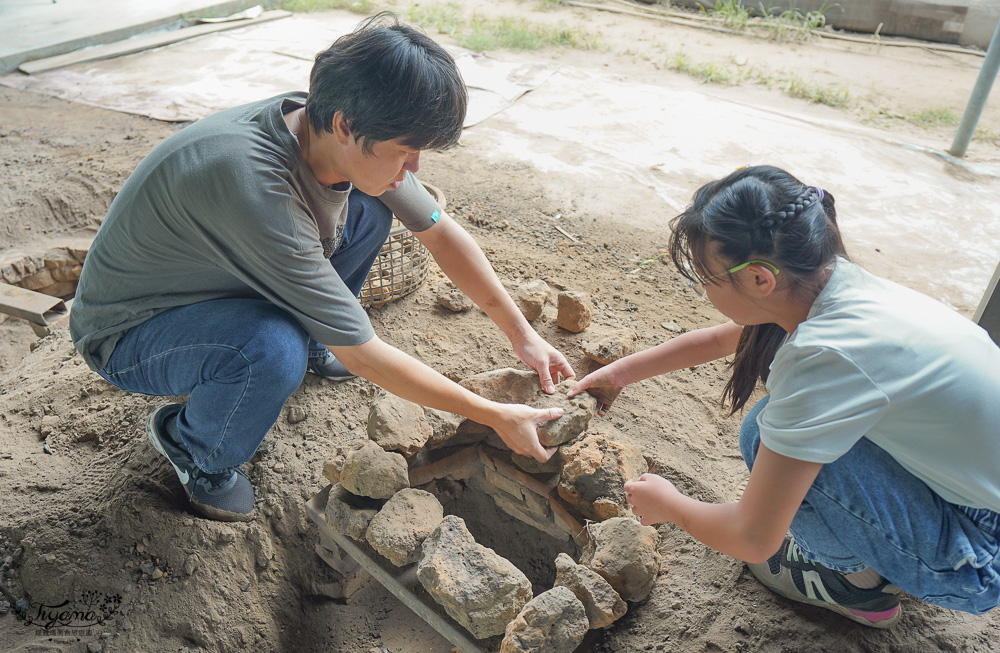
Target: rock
x=552, y=622
x=398, y=530
x=623, y=551
x=48, y=425
x=506, y=385
x=191, y=564
x=470, y=432
x=595, y=469
x=673, y=327
x=157, y=574
x=296, y=414
x=577, y=412
x=368, y=470
x=332, y=467
x=94, y=647
x=349, y=513
x=398, y=425
x=531, y=298
x=477, y=588
x=260, y=545
x=575, y=311
x=532, y=466
x=608, y=508
x=611, y=346
x=602, y=603
x=444, y=427
x=455, y=300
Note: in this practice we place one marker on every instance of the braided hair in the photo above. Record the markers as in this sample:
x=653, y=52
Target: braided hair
x=758, y=212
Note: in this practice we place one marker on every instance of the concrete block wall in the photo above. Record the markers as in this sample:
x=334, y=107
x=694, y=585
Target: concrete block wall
x=961, y=22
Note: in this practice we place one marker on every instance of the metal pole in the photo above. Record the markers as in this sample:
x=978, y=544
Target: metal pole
x=980, y=92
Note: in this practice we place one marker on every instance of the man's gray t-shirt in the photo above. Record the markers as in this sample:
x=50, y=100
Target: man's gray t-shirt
x=227, y=208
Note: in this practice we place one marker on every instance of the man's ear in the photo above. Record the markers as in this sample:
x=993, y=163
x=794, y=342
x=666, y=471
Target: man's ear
x=340, y=129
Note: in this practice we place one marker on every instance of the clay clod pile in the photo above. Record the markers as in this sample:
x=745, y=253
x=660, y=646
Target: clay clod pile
x=387, y=493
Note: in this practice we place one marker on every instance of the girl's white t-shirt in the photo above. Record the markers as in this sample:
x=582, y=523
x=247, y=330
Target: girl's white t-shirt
x=875, y=359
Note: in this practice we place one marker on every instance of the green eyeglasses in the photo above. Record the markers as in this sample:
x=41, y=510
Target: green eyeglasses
x=699, y=286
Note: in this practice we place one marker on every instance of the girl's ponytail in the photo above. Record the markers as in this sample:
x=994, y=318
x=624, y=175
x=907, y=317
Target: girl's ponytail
x=754, y=353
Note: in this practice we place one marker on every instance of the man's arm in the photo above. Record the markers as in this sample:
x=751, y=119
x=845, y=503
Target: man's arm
x=406, y=377
x=462, y=260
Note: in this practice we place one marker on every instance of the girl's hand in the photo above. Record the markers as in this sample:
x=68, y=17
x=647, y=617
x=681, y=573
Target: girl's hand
x=603, y=384
x=651, y=497
x=517, y=426
x=544, y=359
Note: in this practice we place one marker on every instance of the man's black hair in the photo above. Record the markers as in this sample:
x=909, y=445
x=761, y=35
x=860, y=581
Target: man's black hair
x=391, y=82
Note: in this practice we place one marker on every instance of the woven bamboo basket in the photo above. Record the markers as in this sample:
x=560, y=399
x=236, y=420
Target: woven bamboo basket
x=401, y=265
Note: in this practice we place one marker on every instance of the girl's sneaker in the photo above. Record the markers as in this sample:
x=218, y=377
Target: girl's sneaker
x=789, y=574
x=223, y=496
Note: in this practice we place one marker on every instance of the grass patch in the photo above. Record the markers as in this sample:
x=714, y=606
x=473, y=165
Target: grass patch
x=933, y=118
x=711, y=72
x=769, y=21
x=791, y=24
x=986, y=135
x=518, y=34
x=446, y=19
x=733, y=74
x=730, y=13
x=546, y=5
x=308, y=6
x=834, y=96
x=481, y=33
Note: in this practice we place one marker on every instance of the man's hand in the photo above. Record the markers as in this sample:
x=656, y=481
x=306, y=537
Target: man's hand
x=651, y=497
x=517, y=426
x=604, y=384
x=544, y=359
x=462, y=261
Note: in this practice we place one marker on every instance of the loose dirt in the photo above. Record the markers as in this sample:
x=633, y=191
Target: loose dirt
x=103, y=508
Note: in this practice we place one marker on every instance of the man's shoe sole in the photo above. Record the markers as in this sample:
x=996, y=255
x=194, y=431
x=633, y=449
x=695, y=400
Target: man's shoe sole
x=217, y=514
x=209, y=512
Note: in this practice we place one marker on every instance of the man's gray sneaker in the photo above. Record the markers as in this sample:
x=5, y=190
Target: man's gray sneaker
x=223, y=496
x=328, y=367
x=790, y=574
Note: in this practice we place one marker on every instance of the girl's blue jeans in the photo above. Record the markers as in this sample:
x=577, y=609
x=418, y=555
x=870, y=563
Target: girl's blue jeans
x=866, y=510
x=238, y=359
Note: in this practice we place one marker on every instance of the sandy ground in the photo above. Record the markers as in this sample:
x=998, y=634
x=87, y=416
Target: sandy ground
x=86, y=516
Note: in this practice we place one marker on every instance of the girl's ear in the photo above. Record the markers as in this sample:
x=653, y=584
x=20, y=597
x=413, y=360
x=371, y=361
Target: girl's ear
x=764, y=280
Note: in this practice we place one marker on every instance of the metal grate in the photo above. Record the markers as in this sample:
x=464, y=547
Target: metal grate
x=401, y=265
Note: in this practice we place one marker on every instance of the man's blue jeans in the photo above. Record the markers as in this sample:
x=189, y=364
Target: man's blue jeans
x=238, y=359
x=865, y=509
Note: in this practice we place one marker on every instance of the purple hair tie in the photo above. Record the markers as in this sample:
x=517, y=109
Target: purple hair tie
x=819, y=192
